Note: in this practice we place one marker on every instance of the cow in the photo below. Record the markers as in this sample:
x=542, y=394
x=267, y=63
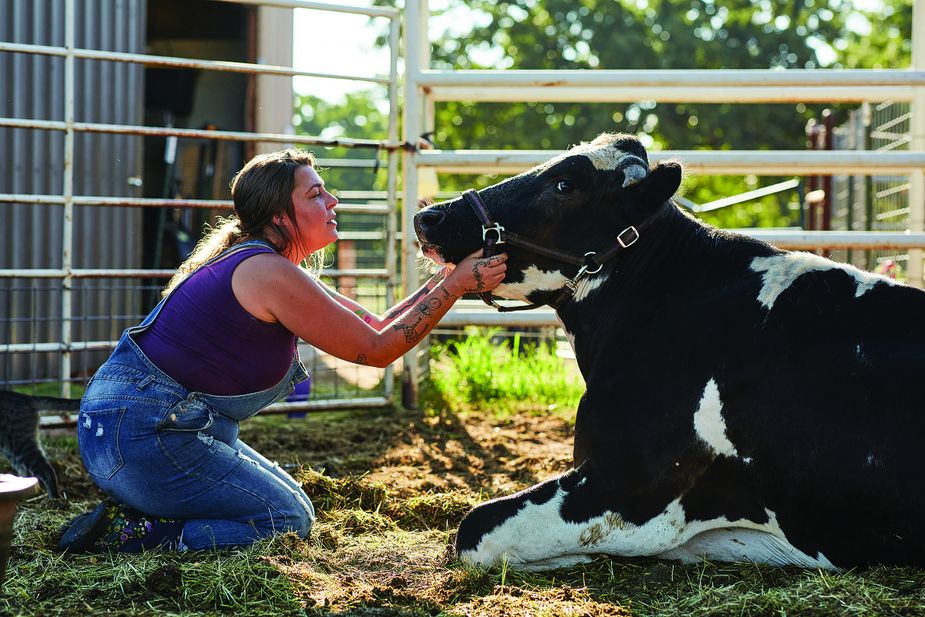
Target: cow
x=743, y=403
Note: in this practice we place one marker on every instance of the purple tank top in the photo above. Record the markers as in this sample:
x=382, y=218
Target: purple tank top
x=205, y=340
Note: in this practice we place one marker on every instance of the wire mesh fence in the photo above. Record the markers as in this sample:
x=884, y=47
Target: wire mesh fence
x=878, y=202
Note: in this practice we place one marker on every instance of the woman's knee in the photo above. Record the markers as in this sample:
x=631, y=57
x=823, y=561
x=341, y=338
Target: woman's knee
x=304, y=515
x=297, y=515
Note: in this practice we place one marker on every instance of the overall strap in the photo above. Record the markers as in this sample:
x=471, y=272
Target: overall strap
x=236, y=248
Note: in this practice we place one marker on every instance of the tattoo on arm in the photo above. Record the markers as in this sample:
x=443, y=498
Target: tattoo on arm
x=400, y=308
x=422, y=313
x=479, y=282
x=364, y=316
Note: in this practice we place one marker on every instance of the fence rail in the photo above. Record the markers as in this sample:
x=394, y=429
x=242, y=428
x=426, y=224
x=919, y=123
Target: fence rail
x=730, y=162
x=67, y=273
x=424, y=86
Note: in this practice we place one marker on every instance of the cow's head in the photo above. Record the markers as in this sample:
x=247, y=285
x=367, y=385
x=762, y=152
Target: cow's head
x=577, y=202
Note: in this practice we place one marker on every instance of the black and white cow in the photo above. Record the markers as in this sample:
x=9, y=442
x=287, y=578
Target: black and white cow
x=743, y=403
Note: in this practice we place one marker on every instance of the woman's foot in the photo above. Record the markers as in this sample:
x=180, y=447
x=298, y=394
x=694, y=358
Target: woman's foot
x=116, y=527
x=82, y=532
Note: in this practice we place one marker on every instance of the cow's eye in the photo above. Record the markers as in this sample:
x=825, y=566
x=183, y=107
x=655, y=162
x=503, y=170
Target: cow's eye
x=564, y=186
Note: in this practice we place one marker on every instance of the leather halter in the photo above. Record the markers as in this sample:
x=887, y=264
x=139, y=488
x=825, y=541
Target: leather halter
x=493, y=234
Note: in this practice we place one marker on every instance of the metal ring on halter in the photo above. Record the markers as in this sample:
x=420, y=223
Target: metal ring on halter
x=497, y=228
x=585, y=269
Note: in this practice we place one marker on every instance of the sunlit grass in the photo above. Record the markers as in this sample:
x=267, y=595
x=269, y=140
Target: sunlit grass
x=380, y=548
x=366, y=556
x=486, y=371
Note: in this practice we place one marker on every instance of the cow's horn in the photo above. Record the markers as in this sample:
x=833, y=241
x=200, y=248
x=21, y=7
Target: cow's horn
x=634, y=170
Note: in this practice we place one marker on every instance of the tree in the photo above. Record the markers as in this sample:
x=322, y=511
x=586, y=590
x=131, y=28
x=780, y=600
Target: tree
x=661, y=34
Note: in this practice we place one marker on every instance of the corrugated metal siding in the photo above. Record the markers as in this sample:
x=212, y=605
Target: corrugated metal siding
x=32, y=161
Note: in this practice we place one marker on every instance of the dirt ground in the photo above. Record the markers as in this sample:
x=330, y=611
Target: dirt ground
x=408, y=452
x=390, y=487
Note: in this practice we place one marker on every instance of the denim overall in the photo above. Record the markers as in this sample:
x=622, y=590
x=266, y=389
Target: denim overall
x=170, y=452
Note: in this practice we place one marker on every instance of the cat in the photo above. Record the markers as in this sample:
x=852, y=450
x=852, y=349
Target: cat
x=19, y=434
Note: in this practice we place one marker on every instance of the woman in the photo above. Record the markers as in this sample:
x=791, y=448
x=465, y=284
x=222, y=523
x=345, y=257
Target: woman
x=158, y=426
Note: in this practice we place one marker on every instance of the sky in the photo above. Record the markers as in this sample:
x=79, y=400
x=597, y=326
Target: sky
x=340, y=43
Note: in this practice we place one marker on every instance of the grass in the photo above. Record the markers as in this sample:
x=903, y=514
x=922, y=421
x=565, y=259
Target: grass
x=390, y=488
x=399, y=566
x=490, y=372
x=52, y=388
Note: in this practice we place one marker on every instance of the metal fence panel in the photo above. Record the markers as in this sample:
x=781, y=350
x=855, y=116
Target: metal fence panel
x=32, y=161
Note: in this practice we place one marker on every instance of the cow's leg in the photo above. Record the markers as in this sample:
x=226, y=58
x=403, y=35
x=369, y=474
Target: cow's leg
x=560, y=522
x=566, y=519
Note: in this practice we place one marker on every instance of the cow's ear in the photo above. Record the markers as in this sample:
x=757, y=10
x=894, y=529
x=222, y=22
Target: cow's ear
x=662, y=182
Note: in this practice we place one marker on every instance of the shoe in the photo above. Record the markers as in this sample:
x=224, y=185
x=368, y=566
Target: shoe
x=86, y=529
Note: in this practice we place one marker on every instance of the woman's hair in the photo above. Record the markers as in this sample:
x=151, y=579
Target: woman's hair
x=262, y=193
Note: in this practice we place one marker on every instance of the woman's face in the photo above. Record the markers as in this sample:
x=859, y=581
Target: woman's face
x=313, y=208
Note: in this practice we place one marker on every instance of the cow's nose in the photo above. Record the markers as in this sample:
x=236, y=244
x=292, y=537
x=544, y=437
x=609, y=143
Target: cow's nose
x=427, y=219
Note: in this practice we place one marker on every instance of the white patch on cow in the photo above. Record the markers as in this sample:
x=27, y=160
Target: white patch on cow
x=742, y=541
x=780, y=271
x=604, y=157
x=534, y=280
x=587, y=286
x=565, y=561
x=537, y=538
x=709, y=424
x=744, y=545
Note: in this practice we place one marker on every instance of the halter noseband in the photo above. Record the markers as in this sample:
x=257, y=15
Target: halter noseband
x=494, y=234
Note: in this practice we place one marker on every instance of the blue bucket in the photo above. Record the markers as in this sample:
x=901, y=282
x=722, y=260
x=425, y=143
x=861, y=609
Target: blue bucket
x=299, y=394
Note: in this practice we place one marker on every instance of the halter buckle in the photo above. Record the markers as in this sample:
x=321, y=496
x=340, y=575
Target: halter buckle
x=497, y=228
x=632, y=240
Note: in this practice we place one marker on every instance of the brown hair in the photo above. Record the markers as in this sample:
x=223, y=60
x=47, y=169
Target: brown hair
x=262, y=191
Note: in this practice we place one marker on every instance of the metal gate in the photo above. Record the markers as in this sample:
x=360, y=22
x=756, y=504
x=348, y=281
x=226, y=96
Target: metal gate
x=71, y=132
x=877, y=202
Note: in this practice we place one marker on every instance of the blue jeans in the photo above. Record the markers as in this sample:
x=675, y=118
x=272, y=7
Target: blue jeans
x=169, y=452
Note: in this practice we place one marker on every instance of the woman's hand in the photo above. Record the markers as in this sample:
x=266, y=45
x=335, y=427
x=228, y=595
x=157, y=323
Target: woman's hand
x=477, y=273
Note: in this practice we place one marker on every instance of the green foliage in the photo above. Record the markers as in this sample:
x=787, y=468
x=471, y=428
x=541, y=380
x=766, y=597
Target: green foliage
x=361, y=115
x=663, y=34
x=879, y=39
x=487, y=371
x=659, y=34
x=777, y=210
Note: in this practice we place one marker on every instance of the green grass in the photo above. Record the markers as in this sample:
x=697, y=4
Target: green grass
x=488, y=372
x=51, y=389
x=402, y=567
x=383, y=548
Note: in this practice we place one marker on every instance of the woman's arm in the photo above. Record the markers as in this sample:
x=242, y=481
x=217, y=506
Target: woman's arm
x=378, y=322
x=273, y=289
